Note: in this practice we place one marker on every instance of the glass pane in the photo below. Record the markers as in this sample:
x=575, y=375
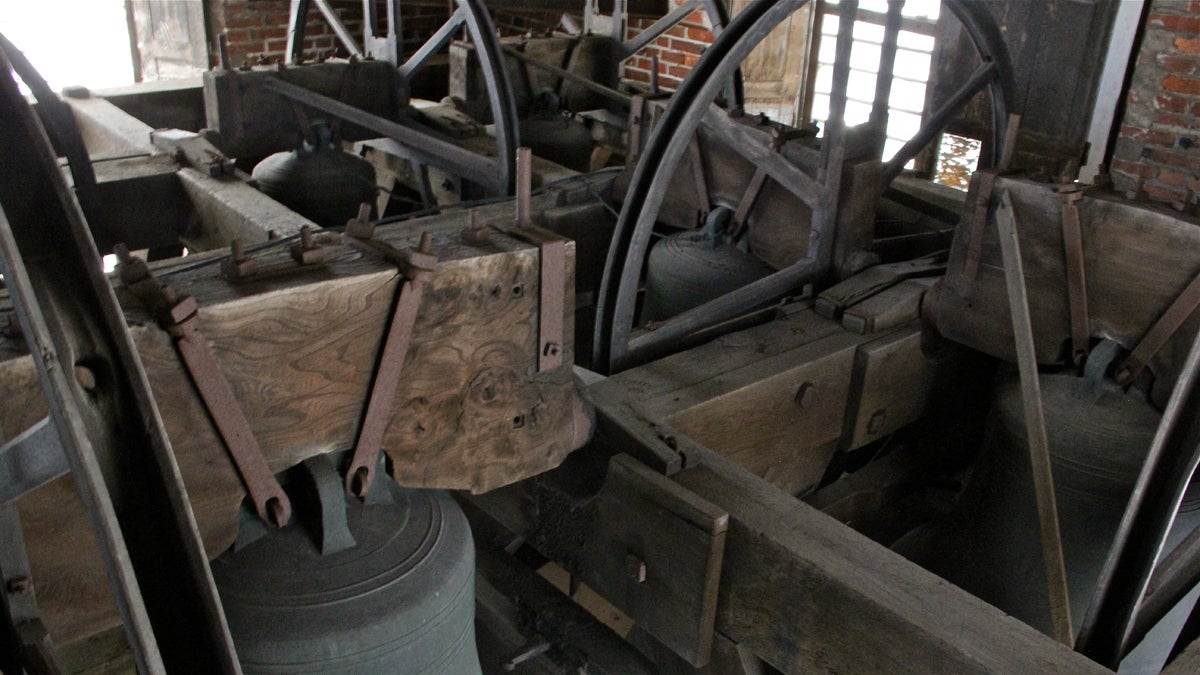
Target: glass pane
x=957, y=159
x=907, y=96
x=913, y=65
x=865, y=56
x=914, y=41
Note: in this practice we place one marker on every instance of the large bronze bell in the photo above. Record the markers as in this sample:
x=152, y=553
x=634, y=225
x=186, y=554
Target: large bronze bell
x=990, y=544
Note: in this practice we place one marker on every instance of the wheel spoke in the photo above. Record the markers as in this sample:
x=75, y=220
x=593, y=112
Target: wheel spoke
x=656, y=29
x=750, y=146
x=339, y=28
x=434, y=44
x=980, y=79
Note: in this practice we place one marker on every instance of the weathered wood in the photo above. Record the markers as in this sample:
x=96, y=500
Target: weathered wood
x=808, y=594
x=108, y=131
x=1137, y=258
x=299, y=347
x=252, y=122
x=142, y=203
x=887, y=309
x=834, y=300
x=229, y=210
x=780, y=417
x=656, y=556
x=892, y=381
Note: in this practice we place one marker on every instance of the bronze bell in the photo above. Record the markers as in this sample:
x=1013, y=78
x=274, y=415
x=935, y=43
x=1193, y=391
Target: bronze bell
x=990, y=546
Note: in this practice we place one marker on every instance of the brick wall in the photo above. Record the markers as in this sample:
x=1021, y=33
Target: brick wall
x=1158, y=149
x=678, y=50
x=257, y=29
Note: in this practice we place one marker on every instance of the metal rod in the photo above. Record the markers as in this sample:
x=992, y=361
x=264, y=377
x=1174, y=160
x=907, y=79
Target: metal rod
x=524, y=187
x=1035, y=422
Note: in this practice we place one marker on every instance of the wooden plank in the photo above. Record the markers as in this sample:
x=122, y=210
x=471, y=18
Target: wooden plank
x=890, y=308
x=779, y=417
x=229, y=210
x=299, y=348
x=834, y=300
x=810, y=595
x=1137, y=258
x=108, y=131
x=142, y=203
x=891, y=386
x=657, y=556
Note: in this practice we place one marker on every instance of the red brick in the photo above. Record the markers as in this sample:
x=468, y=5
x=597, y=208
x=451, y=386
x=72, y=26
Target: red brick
x=1176, y=23
x=1160, y=138
x=1180, y=158
x=1188, y=46
x=671, y=57
x=1173, y=120
x=1195, y=110
x=637, y=76
x=700, y=34
x=1171, y=104
x=640, y=63
x=696, y=17
x=243, y=19
x=1177, y=64
x=1194, y=7
x=1165, y=193
x=688, y=47
x=238, y=37
x=690, y=60
x=1181, y=85
x=678, y=71
x=1137, y=169
x=1172, y=178
x=268, y=33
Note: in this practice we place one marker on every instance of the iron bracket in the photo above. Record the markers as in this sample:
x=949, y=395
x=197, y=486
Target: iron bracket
x=417, y=267
x=179, y=316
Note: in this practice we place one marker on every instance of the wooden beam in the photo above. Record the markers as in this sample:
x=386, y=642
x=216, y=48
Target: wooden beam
x=299, y=345
x=810, y=595
x=229, y=209
x=108, y=131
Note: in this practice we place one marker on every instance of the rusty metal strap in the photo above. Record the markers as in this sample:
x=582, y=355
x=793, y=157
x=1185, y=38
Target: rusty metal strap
x=417, y=267
x=983, y=201
x=1076, y=280
x=552, y=291
x=179, y=316
x=1159, y=333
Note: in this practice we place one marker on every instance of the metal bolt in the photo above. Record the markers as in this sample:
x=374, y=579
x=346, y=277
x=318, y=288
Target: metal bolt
x=875, y=424
x=19, y=586
x=806, y=394
x=85, y=377
x=635, y=568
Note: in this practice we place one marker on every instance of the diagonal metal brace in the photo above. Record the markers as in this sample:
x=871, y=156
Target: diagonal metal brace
x=417, y=267
x=179, y=316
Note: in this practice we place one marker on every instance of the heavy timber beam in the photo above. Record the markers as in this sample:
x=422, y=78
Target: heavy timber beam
x=299, y=346
x=800, y=590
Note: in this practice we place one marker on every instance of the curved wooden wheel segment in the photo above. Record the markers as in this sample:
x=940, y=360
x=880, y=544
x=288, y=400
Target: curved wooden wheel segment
x=616, y=347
